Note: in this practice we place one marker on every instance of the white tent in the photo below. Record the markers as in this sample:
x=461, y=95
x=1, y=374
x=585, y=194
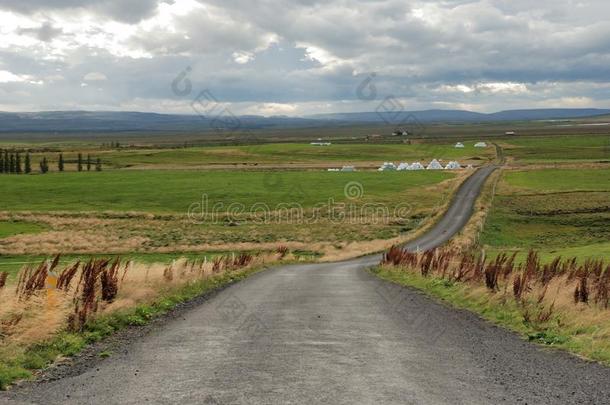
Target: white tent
x=453, y=165
x=417, y=166
x=480, y=145
x=348, y=169
x=403, y=166
x=459, y=145
x=386, y=166
x=434, y=165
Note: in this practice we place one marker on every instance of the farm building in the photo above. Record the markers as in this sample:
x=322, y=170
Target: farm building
x=434, y=165
x=453, y=165
x=480, y=145
x=387, y=166
x=459, y=145
x=400, y=133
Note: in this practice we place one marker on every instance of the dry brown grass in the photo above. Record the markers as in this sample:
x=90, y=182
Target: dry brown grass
x=47, y=299
x=539, y=289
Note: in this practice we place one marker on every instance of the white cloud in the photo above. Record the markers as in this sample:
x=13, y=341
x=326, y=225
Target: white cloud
x=9, y=77
x=95, y=77
x=242, y=57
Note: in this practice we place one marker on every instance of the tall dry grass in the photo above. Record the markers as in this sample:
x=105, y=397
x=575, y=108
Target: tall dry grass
x=540, y=290
x=48, y=298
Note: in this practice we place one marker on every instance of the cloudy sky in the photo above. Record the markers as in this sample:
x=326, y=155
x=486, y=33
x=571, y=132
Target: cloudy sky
x=297, y=57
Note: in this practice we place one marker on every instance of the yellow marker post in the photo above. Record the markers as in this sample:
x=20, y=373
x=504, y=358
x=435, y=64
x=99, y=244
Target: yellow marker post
x=51, y=286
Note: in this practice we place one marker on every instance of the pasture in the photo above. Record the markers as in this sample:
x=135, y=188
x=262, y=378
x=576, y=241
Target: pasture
x=557, y=211
x=174, y=191
x=166, y=211
x=285, y=155
x=558, y=149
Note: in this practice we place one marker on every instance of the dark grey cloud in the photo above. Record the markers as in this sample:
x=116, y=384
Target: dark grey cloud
x=45, y=33
x=120, y=10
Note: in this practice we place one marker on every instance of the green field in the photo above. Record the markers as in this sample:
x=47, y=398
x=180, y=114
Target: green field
x=10, y=228
x=558, y=211
x=145, y=211
x=285, y=154
x=551, y=180
x=558, y=148
x=175, y=191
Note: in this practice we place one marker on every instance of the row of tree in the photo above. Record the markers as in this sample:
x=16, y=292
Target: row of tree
x=11, y=162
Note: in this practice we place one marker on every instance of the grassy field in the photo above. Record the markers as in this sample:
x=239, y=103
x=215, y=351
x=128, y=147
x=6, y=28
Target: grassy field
x=146, y=211
x=559, y=149
x=175, y=191
x=10, y=228
x=549, y=181
x=558, y=211
x=285, y=154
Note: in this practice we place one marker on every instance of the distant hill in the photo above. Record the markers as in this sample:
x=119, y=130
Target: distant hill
x=108, y=121
x=467, y=116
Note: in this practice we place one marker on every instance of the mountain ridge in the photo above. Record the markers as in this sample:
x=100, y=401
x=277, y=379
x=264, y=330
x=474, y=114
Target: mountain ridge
x=95, y=121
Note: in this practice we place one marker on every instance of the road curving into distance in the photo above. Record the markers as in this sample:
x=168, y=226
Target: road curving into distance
x=331, y=333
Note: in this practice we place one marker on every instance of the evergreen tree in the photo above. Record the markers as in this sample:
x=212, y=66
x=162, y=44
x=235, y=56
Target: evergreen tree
x=18, y=163
x=44, y=165
x=88, y=162
x=98, y=165
x=1, y=161
x=60, y=164
x=28, y=163
x=79, y=164
x=11, y=166
x=6, y=162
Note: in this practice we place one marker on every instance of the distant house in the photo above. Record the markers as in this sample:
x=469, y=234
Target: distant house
x=459, y=145
x=400, y=133
x=319, y=142
x=480, y=145
x=509, y=133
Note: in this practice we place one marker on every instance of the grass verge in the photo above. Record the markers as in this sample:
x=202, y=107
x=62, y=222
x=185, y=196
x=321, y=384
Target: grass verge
x=23, y=364
x=563, y=331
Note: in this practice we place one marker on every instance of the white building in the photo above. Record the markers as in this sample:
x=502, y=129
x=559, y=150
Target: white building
x=480, y=145
x=434, y=165
x=459, y=145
